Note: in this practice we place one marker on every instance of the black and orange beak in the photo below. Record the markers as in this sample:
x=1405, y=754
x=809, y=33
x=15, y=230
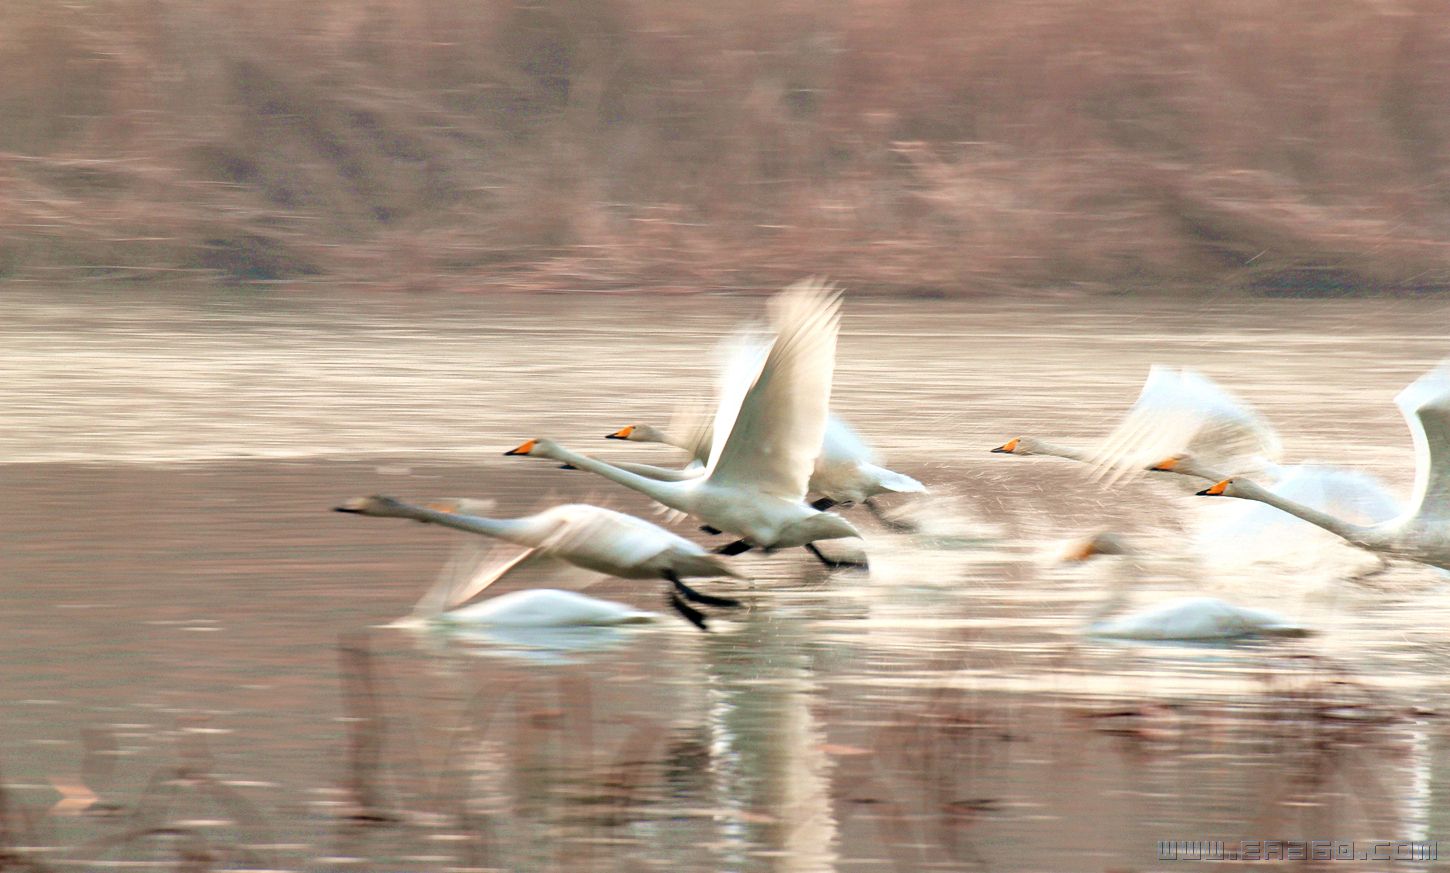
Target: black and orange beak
x=621, y=434
x=1215, y=490
x=1166, y=465
x=523, y=449
x=1008, y=447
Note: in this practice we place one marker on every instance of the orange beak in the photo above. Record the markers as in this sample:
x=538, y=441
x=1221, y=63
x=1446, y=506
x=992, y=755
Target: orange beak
x=1081, y=552
x=1008, y=447
x=1166, y=465
x=1215, y=490
x=523, y=449
x=621, y=434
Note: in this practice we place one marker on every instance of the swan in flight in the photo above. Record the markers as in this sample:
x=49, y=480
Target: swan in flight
x=846, y=472
x=769, y=425
x=586, y=536
x=1185, y=423
x=1188, y=619
x=1178, y=411
x=1421, y=533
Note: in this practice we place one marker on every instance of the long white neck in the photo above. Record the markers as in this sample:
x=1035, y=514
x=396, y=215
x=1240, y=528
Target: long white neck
x=668, y=493
x=524, y=531
x=1354, y=533
x=1043, y=447
x=662, y=474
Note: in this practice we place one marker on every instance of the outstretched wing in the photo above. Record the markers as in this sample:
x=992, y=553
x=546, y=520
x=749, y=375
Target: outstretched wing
x=593, y=533
x=842, y=444
x=471, y=569
x=773, y=407
x=1425, y=404
x=1183, y=411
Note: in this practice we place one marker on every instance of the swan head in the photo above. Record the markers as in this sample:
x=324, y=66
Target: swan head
x=377, y=505
x=639, y=433
x=1226, y=488
x=1019, y=446
x=1097, y=544
x=1184, y=464
x=539, y=448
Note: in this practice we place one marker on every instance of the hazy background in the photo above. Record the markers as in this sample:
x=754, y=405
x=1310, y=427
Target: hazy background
x=961, y=147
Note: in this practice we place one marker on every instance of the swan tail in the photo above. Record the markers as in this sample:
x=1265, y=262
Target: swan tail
x=894, y=481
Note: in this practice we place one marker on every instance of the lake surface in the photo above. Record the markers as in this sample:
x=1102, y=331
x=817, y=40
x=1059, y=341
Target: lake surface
x=200, y=674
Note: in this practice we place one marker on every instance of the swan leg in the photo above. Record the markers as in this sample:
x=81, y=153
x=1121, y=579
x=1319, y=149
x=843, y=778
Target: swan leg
x=734, y=548
x=712, y=531
x=694, y=596
x=567, y=467
x=823, y=504
x=1370, y=574
x=898, y=526
x=834, y=564
x=690, y=613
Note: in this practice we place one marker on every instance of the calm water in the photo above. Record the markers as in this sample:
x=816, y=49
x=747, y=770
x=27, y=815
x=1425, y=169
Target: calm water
x=193, y=637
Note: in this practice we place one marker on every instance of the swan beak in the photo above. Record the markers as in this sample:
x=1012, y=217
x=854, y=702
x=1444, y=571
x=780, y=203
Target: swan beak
x=354, y=505
x=1081, y=552
x=621, y=434
x=1165, y=466
x=1215, y=490
x=1008, y=447
x=523, y=449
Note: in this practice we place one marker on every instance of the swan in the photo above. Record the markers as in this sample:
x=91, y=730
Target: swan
x=1188, y=618
x=586, y=536
x=769, y=425
x=1178, y=411
x=846, y=471
x=1421, y=533
x=1185, y=423
x=454, y=600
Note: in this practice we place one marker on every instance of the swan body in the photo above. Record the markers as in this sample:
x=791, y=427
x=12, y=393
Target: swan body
x=546, y=607
x=1421, y=532
x=768, y=430
x=590, y=537
x=1184, y=619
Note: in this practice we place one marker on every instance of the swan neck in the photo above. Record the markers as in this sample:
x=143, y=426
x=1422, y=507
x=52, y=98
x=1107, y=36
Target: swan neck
x=1119, y=587
x=1337, y=526
x=515, y=530
x=1042, y=447
x=656, y=489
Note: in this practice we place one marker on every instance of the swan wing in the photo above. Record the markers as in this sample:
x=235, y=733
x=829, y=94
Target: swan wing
x=595, y=534
x=773, y=407
x=1425, y=404
x=692, y=426
x=471, y=569
x=843, y=444
x=1181, y=410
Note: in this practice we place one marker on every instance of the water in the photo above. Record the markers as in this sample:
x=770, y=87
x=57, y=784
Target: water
x=193, y=637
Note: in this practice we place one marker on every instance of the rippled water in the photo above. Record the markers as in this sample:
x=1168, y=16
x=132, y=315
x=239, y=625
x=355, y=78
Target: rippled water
x=193, y=637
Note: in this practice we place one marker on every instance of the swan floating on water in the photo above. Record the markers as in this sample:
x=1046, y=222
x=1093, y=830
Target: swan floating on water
x=1186, y=619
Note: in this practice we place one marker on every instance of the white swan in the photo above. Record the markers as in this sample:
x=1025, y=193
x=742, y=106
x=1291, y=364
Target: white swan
x=1189, y=618
x=1185, y=423
x=846, y=471
x=1422, y=532
x=454, y=600
x=1177, y=411
x=586, y=536
x=769, y=426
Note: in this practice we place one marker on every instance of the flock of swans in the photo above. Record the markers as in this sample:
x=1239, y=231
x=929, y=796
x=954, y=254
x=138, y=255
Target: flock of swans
x=771, y=443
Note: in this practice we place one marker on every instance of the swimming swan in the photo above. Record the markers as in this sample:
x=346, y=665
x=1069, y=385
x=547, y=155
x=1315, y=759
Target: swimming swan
x=1422, y=532
x=1189, y=618
x=769, y=426
x=586, y=536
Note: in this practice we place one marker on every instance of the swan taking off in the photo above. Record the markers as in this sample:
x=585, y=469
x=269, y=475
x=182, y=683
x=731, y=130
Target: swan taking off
x=847, y=470
x=1185, y=423
x=1188, y=619
x=586, y=536
x=769, y=425
x=1422, y=532
x=458, y=597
